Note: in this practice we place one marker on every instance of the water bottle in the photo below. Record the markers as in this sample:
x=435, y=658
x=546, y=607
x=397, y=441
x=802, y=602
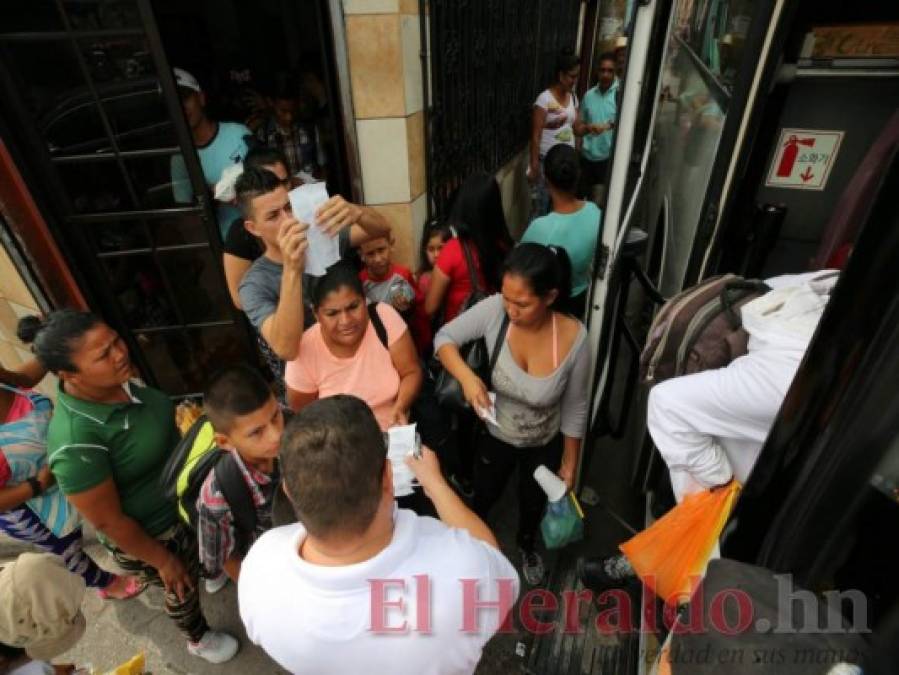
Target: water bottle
x=563, y=522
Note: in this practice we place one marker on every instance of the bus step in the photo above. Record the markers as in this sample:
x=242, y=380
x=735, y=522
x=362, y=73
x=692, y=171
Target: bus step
x=579, y=648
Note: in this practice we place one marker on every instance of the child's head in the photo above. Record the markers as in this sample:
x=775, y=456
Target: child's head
x=436, y=234
x=244, y=414
x=375, y=254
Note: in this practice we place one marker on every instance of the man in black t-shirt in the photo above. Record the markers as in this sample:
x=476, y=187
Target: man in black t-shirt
x=241, y=247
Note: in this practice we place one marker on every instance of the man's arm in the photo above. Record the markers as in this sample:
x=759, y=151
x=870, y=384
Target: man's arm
x=235, y=268
x=284, y=328
x=25, y=375
x=451, y=509
x=364, y=221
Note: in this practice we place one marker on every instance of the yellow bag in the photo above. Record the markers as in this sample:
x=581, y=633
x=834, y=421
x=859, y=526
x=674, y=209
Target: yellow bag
x=671, y=555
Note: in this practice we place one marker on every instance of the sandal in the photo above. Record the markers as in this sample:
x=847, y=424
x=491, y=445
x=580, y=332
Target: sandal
x=132, y=588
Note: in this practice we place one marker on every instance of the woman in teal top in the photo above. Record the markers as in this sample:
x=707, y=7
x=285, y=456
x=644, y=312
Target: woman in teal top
x=573, y=224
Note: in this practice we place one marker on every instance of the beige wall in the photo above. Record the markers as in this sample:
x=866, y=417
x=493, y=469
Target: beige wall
x=383, y=40
x=16, y=301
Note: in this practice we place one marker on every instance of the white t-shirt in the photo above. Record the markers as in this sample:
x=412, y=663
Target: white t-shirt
x=565, y=133
x=317, y=619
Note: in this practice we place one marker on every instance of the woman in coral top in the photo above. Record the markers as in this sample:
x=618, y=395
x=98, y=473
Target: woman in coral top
x=343, y=353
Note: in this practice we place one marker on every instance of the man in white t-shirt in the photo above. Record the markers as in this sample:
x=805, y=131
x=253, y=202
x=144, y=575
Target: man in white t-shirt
x=359, y=586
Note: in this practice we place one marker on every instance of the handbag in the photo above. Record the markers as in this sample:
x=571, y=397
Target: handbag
x=447, y=388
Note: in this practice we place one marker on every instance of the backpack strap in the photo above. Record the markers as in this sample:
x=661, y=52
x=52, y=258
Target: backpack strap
x=472, y=274
x=234, y=488
x=497, y=348
x=377, y=324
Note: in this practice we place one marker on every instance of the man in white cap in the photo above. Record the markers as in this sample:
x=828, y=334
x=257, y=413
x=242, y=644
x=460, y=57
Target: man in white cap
x=219, y=145
x=40, y=610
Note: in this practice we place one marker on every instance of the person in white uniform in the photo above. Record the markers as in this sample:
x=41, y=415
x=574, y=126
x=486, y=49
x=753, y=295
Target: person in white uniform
x=710, y=426
x=359, y=586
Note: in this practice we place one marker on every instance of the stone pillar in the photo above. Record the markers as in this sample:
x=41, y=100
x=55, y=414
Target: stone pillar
x=384, y=46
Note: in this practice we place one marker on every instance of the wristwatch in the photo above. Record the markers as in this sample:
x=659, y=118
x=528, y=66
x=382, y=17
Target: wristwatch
x=36, y=487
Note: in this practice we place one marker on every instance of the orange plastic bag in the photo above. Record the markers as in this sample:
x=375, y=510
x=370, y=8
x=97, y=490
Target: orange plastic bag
x=676, y=548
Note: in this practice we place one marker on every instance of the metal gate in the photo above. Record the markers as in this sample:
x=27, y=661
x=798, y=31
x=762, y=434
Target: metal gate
x=93, y=118
x=488, y=61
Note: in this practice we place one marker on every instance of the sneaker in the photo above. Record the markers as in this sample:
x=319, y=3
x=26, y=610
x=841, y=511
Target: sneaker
x=599, y=574
x=462, y=485
x=214, y=647
x=532, y=567
x=215, y=585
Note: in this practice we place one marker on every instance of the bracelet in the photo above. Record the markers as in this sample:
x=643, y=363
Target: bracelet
x=36, y=488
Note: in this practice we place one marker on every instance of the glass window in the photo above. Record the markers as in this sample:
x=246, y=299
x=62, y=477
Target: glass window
x=716, y=32
x=26, y=16
x=126, y=235
x=688, y=129
x=98, y=186
x=179, y=229
x=181, y=361
x=102, y=14
x=197, y=284
x=137, y=285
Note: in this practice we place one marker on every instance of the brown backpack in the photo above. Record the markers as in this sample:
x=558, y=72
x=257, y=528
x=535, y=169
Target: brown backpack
x=699, y=329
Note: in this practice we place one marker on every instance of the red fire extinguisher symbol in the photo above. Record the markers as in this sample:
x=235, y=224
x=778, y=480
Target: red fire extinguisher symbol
x=791, y=151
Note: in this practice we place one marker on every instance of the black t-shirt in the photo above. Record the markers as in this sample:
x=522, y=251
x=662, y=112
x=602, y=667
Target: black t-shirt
x=240, y=243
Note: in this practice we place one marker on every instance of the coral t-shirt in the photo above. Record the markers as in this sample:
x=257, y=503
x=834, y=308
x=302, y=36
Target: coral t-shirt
x=368, y=374
x=452, y=263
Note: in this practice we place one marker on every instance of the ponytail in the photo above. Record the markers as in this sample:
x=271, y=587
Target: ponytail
x=52, y=338
x=546, y=269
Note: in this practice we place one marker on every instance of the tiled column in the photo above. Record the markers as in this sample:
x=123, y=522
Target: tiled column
x=16, y=301
x=384, y=45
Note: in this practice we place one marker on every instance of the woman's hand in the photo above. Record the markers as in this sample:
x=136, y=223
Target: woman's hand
x=398, y=417
x=175, y=577
x=45, y=478
x=475, y=392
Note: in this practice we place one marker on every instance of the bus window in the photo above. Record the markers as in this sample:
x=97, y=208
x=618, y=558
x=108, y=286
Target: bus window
x=703, y=53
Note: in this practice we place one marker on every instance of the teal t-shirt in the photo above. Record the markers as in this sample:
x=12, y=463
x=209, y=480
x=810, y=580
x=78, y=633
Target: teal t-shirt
x=599, y=108
x=577, y=233
x=227, y=147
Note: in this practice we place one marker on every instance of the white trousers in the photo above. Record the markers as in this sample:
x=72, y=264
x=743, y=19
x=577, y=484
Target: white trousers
x=711, y=426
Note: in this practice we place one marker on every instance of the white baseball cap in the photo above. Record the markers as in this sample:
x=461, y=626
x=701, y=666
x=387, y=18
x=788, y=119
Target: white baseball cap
x=186, y=80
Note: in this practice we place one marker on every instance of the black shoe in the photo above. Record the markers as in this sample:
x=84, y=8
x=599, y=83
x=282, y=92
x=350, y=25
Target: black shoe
x=600, y=574
x=462, y=485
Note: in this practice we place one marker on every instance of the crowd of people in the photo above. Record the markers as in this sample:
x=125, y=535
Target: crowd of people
x=298, y=507
x=349, y=356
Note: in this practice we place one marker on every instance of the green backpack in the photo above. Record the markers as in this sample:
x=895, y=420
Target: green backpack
x=186, y=470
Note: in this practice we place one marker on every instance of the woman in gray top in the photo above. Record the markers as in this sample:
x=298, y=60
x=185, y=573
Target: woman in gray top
x=540, y=381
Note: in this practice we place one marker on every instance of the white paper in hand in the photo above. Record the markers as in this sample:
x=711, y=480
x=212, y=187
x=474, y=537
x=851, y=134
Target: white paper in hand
x=400, y=443
x=323, y=250
x=489, y=414
x=224, y=189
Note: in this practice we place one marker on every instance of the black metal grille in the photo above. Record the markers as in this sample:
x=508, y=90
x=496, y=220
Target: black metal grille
x=489, y=60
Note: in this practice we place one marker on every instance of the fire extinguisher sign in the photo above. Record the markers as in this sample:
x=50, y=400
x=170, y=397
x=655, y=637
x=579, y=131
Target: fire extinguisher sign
x=803, y=159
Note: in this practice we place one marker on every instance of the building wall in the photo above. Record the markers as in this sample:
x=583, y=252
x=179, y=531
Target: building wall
x=16, y=301
x=383, y=40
